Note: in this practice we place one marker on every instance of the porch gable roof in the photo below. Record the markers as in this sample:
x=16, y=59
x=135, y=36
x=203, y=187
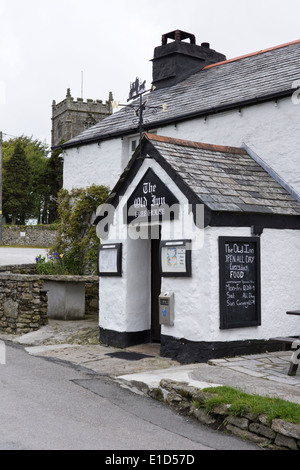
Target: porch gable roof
x=227, y=180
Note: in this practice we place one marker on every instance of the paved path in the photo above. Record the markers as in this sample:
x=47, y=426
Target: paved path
x=272, y=366
x=141, y=367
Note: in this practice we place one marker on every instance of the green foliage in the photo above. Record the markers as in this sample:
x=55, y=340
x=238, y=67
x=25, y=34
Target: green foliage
x=16, y=191
x=243, y=402
x=52, y=181
x=77, y=237
x=40, y=181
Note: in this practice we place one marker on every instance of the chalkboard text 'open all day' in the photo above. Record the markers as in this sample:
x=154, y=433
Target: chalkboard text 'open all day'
x=238, y=257
x=239, y=282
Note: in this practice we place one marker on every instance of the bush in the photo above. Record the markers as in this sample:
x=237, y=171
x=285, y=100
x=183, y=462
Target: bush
x=77, y=238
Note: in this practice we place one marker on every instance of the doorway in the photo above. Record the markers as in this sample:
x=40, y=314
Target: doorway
x=155, y=286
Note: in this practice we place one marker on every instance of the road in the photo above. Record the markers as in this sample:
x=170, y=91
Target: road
x=51, y=405
x=11, y=256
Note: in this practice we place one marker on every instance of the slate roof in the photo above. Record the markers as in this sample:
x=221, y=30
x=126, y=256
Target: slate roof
x=225, y=178
x=245, y=80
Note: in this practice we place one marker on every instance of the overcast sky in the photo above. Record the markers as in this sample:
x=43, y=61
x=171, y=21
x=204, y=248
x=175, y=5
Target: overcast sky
x=45, y=45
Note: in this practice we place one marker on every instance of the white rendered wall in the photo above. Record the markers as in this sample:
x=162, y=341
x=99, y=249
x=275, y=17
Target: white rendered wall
x=125, y=302
x=197, y=311
x=270, y=129
x=92, y=164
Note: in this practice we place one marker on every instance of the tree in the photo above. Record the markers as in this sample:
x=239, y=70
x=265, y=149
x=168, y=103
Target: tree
x=16, y=191
x=44, y=179
x=53, y=177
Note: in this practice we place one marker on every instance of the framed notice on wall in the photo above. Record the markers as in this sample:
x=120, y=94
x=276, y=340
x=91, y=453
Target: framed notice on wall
x=110, y=259
x=239, y=268
x=175, y=258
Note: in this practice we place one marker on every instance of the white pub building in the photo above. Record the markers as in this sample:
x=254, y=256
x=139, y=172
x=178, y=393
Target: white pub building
x=199, y=238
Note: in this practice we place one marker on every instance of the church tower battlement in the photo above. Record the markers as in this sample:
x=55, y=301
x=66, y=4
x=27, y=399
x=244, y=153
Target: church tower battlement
x=71, y=117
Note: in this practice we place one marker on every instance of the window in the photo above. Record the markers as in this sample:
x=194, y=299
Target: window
x=134, y=144
x=131, y=144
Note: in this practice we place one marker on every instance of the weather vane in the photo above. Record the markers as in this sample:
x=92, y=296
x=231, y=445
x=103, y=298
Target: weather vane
x=137, y=90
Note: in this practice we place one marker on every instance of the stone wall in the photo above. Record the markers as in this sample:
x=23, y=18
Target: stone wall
x=31, y=235
x=23, y=303
x=18, y=269
x=24, y=300
x=276, y=434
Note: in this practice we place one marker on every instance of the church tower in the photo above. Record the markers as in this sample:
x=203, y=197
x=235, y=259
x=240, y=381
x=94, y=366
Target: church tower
x=70, y=117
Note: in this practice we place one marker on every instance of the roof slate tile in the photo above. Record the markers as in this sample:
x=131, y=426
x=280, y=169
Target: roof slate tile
x=228, y=84
x=221, y=183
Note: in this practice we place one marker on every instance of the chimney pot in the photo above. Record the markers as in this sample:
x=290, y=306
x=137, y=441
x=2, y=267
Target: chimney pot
x=179, y=59
x=177, y=35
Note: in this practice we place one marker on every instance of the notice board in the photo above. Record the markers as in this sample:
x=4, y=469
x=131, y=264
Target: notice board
x=110, y=259
x=175, y=258
x=239, y=270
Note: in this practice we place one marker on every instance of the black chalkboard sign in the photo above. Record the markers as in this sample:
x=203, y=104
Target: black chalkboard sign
x=239, y=259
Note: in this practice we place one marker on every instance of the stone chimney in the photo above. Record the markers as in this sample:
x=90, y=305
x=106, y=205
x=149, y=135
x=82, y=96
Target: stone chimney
x=177, y=60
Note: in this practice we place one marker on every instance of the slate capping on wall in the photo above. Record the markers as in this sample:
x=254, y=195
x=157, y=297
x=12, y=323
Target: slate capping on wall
x=44, y=277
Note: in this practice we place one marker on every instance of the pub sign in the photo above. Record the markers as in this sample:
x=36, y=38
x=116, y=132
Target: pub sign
x=151, y=201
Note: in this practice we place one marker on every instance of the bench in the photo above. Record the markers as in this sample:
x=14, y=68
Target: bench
x=287, y=342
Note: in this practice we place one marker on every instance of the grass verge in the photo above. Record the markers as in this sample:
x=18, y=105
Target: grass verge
x=242, y=403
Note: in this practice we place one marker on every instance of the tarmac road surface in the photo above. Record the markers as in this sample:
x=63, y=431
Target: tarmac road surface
x=11, y=256
x=49, y=405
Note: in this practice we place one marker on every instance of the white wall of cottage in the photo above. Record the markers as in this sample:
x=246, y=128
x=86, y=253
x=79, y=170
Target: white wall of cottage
x=197, y=310
x=270, y=129
x=93, y=164
x=125, y=301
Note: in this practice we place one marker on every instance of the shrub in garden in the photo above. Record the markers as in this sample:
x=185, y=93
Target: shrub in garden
x=76, y=240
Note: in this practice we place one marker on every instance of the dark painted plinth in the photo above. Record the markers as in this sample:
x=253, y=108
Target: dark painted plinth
x=123, y=339
x=187, y=352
